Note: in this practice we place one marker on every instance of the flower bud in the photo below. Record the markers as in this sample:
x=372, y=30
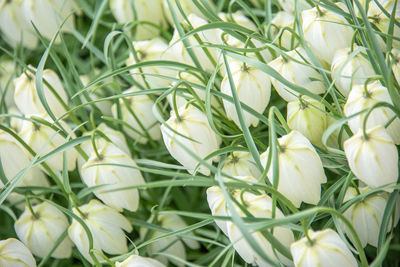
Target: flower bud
x=14, y=253
x=349, y=72
x=170, y=245
x=149, y=50
x=361, y=98
x=44, y=139
x=188, y=7
x=94, y=173
x=396, y=64
x=307, y=117
x=241, y=163
x=49, y=15
x=27, y=99
x=328, y=249
x=203, y=141
x=289, y=5
x=138, y=261
x=106, y=226
x=326, y=32
x=41, y=230
x=365, y=216
x=296, y=73
x=374, y=159
x=260, y=206
x=144, y=123
x=300, y=169
x=126, y=11
x=15, y=27
x=253, y=88
x=283, y=20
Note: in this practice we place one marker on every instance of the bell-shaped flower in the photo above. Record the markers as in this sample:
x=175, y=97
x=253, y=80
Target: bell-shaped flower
x=103, y=169
x=44, y=139
x=126, y=11
x=151, y=50
x=143, y=123
x=241, y=163
x=15, y=27
x=348, y=72
x=253, y=88
x=14, y=253
x=363, y=97
x=293, y=68
x=188, y=7
x=326, y=32
x=289, y=5
x=307, y=117
x=138, y=261
x=300, y=169
x=327, y=249
x=374, y=158
x=192, y=131
x=283, y=21
x=106, y=226
x=27, y=99
x=216, y=202
x=41, y=230
x=171, y=245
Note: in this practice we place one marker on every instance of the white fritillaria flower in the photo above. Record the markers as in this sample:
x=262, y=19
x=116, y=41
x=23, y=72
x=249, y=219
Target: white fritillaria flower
x=41, y=230
x=27, y=99
x=138, y=261
x=14, y=253
x=307, y=117
x=170, y=245
x=93, y=173
x=188, y=7
x=241, y=163
x=289, y=5
x=300, y=169
x=349, y=72
x=143, y=121
x=260, y=206
x=15, y=27
x=296, y=73
x=253, y=88
x=396, y=64
x=361, y=98
x=44, y=139
x=328, y=249
x=192, y=124
x=326, y=32
x=48, y=15
x=283, y=20
x=126, y=11
x=216, y=202
x=106, y=226
x=7, y=70
x=373, y=160
x=365, y=216
x=150, y=50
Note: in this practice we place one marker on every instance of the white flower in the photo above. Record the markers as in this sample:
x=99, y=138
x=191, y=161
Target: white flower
x=7, y=69
x=241, y=163
x=150, y=50
x=347, y=73
x=216, y=202
x=289, y=5
x=365, y=216
x=296, y=73
x=142, y=107
x=283, y=20
x=396, y=64
x=48, y=15
x=93, y=173
x=170, y=245
x=300, y=169
x=374, y=160
x=126, y=11
x=138, y=261
x=253, y=88
x=207, y=62
x=27, y=99
x=307, y=116
x=106, y=226
x=44, y=139
x=260, y=206
x=15, y=123
x=361, y=98
x=188, y=7
x=193, y=124
x=325, y=33
x=15, y=27
x=41, y=230
x=15, y=253
x=327, y=250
